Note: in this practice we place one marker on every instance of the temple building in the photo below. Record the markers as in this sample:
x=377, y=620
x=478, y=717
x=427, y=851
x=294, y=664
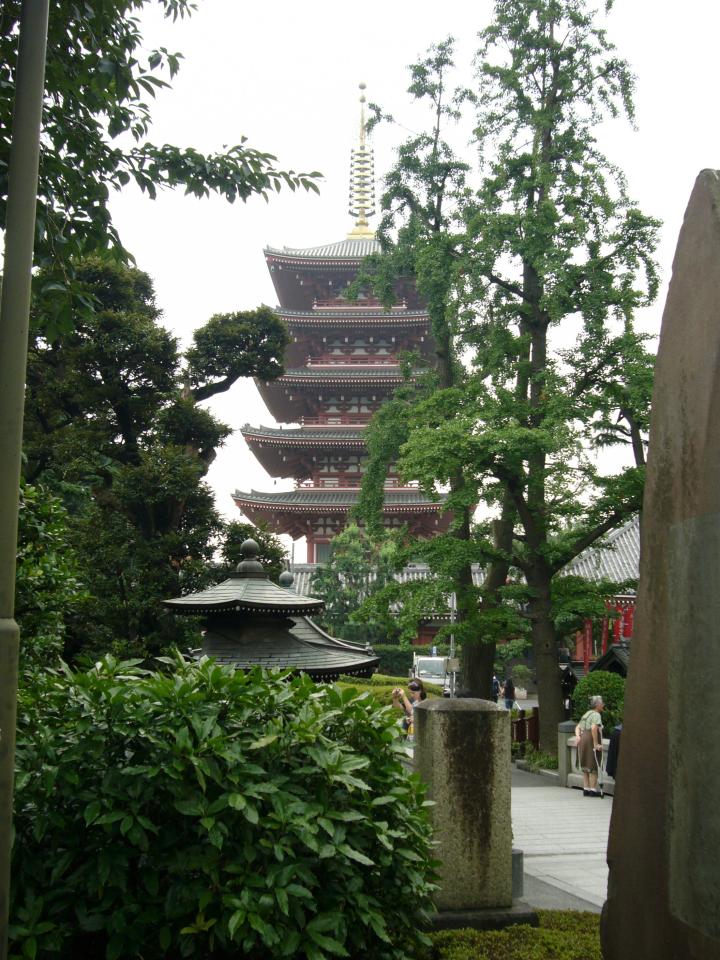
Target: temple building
x=342, y=363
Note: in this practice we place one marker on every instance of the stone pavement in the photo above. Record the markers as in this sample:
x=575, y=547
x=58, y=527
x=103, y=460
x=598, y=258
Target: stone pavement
x=563, y=836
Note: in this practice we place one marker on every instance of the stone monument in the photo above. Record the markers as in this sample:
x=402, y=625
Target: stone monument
x=664, y=848
x=462, y=752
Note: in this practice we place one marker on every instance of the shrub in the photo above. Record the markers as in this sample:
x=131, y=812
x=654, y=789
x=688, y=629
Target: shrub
x=561, y=935
x=610, y=686
x=522, y=675
x=537, y=760
x=372, y=633
x=203, y=812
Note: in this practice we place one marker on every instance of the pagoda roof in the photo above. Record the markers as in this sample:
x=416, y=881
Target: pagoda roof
x=348, y=249
x=352, y=314
x=240, y=594
x=337, y=499
x=320, y=659
x=297, y=436
x=342, y=374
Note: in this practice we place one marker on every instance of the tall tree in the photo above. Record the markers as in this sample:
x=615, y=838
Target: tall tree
x=421, y=234
x=556, y=258
x=114, y=407
x=99, y=85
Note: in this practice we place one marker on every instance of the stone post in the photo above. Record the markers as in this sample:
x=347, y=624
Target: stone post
x=462, y=752
x=565, y=729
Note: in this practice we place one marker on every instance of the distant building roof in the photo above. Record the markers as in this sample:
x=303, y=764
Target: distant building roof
x=303, y=573
x=342, y=250
x=616, y=559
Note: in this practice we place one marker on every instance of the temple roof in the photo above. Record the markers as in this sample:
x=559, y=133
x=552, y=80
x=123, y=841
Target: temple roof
x=617, y=558
x=329, y=498
x=348, y=249
x=299, y=435
x=352, y=313
x=381, y=372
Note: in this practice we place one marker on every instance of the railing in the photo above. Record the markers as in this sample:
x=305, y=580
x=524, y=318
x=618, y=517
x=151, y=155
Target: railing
x=345, y=481
x=340, y=304
x=338, y=420
x=526, y=729
x=341, y=360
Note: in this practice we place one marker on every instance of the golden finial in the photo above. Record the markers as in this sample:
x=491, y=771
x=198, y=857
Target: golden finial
x=362, y=180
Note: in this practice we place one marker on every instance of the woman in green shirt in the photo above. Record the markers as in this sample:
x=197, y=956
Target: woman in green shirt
x=589, y=746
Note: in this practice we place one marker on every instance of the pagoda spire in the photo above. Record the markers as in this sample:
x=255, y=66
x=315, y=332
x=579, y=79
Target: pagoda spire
x=362, y=180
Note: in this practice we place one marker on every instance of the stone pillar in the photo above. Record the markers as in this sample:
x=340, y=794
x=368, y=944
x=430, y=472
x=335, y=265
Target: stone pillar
x=565, y=729
x=462, y=752
x=664, y=882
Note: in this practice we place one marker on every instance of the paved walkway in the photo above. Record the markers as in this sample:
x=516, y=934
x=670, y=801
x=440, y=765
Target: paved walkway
x=563, y=836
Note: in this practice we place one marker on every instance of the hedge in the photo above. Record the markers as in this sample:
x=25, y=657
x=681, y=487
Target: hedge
x=561, y=935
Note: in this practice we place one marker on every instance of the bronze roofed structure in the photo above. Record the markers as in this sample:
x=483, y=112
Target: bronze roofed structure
x=342, y=363
x=250, y=621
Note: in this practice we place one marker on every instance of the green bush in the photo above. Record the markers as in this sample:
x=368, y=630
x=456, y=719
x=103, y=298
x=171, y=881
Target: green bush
x=206, y=812
x=522, y=675
x=561, y=935
x=610, y=686
x=537, y=760
x=398, y=661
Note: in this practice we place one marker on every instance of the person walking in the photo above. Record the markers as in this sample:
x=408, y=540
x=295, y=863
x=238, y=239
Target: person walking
x=495, y=688
x=589, y=746
x=509, y=693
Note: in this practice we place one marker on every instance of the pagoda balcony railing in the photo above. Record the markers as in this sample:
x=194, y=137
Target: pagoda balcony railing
x=338, y=420
x=340, y=481
x=340, y=304
x=340, y=360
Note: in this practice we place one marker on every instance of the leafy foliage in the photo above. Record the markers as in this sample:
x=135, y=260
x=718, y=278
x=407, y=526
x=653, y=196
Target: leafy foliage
x=202, y=812
x=100, y=81
x=610, y=686
x=48, y=584
x=272, y=554
x=561, y=935
x=358, y=567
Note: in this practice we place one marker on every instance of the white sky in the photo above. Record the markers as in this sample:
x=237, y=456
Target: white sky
x=285, y=75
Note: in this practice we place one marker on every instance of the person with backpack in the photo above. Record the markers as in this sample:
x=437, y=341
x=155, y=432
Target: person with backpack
x=589, y=746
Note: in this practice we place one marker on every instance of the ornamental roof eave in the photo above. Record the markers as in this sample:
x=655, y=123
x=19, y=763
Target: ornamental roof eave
x=304, y=436
x=239, y=595
x=407, y=500
x=347, y=249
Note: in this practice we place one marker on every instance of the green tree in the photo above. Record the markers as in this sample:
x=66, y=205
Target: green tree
x=358, y=568
x=421, y=234
x=554, y=252
x=99, y=85
x=114, y=406
x=272, y=554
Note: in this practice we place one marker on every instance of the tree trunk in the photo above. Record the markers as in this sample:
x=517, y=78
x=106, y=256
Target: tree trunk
x=477, y=669
x=546, y=661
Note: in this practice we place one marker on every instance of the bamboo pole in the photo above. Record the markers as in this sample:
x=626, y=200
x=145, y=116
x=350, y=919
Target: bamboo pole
x=14, y=315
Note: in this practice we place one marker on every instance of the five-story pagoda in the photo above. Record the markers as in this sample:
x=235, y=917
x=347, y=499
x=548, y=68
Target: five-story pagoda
x=342, y=363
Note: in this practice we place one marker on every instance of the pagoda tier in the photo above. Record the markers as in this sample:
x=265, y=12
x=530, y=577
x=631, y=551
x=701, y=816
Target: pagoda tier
x=319, y=514
x=302, y=277
x=306, y=452
x=313, y=394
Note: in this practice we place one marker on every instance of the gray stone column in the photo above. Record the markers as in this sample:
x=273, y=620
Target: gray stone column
x=565, y=729
x=462, y=752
